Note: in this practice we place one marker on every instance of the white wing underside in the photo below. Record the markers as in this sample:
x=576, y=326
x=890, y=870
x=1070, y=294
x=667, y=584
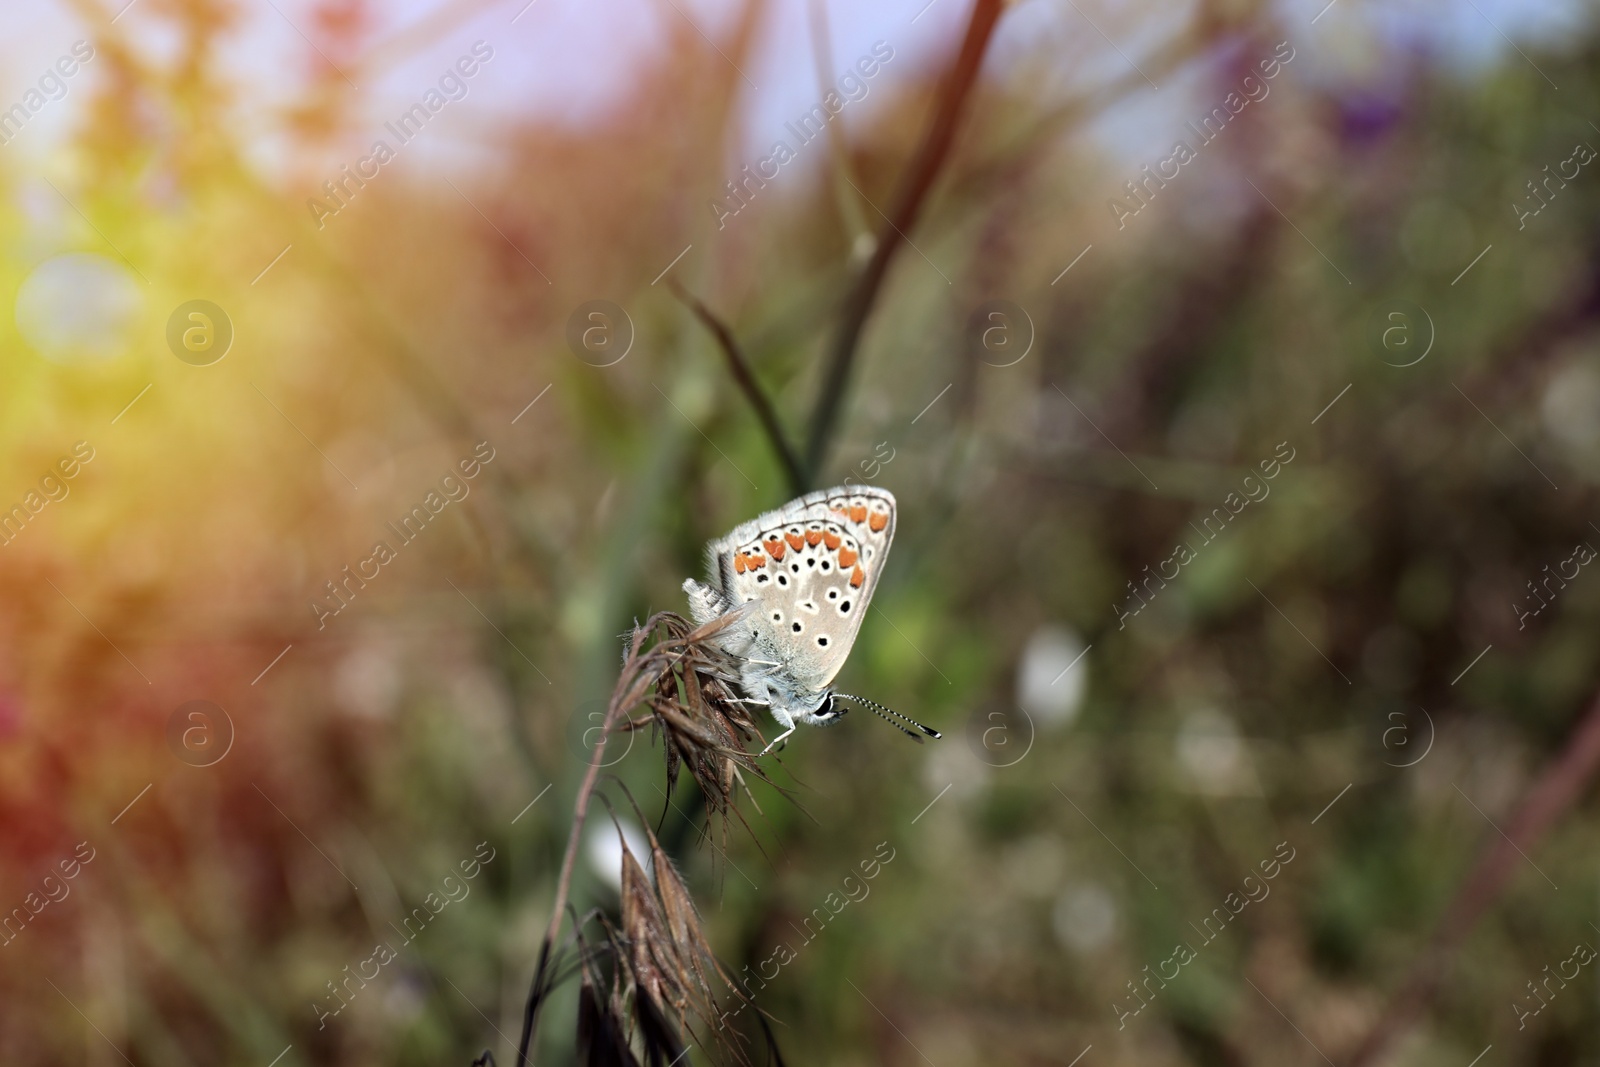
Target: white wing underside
x=813, y=566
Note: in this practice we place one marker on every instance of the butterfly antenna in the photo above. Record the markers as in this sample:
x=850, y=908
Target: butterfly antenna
x=886, y=719
x=886, y=713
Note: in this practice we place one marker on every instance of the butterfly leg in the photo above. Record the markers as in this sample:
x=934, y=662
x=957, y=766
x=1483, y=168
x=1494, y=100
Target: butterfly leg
x=786, y=721
x=776, y=741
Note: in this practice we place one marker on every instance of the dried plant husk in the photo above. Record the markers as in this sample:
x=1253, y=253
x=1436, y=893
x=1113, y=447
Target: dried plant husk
x=684, y=926
x=693, y=707
x=602, y=1037
x=661, y=984
x=652, y=955
x=659, y=994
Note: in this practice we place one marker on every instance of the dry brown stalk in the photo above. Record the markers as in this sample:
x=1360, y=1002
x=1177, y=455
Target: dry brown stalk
x=1553, y=792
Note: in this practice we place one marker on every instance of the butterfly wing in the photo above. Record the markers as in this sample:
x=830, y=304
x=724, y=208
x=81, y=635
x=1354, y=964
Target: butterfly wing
x=812, y=565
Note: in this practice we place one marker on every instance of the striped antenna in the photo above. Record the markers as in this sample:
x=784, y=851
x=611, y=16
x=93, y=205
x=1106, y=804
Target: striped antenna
x=886, y=713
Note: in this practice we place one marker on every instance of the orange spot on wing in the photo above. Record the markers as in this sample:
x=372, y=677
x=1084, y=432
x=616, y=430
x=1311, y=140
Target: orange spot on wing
x=857, y=578
x=739, y=563
x=755, y=561
x=775, y=548
x=878, y=521
x=846, y=557
x=796, y=541
x=813, y=536
x=858, y=513
x=831, y=540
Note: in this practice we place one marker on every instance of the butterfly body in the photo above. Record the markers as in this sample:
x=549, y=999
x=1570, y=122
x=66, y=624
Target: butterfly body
x=802, y=576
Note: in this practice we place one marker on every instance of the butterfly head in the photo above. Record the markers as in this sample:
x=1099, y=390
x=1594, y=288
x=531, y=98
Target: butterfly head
x=829, y=712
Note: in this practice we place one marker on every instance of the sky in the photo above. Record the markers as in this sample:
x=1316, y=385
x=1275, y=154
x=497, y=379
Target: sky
x=571, y=60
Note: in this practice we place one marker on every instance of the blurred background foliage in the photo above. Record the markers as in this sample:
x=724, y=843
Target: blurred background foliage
x=1071, y=827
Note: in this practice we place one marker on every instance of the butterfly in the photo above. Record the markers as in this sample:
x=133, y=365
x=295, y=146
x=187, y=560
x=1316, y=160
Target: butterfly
x=802, y=577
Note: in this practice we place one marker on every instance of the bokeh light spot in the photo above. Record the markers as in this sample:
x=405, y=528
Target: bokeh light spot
x=79, y=309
